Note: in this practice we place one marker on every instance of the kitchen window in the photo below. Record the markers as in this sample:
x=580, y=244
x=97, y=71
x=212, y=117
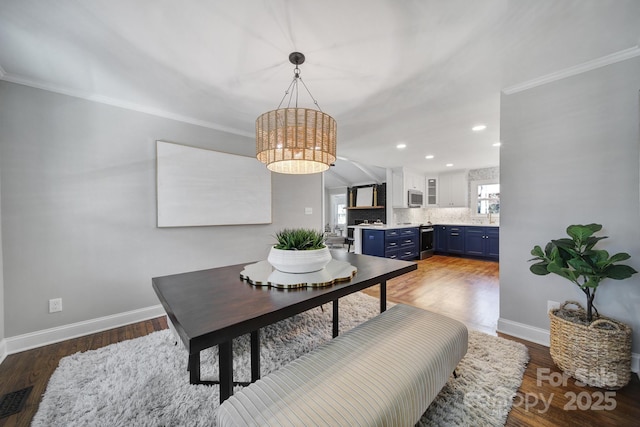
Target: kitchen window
x=485, y=197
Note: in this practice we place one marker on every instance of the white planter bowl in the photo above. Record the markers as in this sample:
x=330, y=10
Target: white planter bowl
x=299, y=261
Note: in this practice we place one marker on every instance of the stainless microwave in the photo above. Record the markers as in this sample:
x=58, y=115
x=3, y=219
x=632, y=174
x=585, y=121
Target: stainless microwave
x=415, y=199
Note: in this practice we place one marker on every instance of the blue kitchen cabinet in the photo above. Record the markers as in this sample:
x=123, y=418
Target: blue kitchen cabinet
x=475, y=241
x=493, y=242
x=482, y=241
x=467, y=240
x=396, y=243
x=455, y=240
x=373, y=242
x=440, y=234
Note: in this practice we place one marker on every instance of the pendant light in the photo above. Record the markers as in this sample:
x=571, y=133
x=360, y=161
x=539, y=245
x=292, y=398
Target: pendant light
x=296, y=140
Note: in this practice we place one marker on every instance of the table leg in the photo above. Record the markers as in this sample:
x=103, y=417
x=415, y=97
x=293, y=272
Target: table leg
x=383, y=296
x=225, y=358
x=335, y=318
x=194, y=368
x=255, y=356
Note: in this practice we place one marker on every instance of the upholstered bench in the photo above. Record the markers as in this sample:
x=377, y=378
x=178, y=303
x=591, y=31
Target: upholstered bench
x=384, y=372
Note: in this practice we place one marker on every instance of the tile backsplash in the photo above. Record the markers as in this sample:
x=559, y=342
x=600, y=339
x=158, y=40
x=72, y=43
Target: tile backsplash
x=439, y=216
x=449, y=215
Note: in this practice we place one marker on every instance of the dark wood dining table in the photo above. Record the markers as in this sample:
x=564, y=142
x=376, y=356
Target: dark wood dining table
x=214, y=306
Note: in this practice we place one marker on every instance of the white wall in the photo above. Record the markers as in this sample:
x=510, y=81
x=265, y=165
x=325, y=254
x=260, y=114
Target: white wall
x=79, y=209
x=570, y=155
x=2, y=342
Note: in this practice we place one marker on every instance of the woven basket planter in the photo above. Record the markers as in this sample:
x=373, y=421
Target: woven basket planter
x=598, y=355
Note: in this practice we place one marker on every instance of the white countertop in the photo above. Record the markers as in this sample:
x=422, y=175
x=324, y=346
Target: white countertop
x=467, y=224
x=372, y=226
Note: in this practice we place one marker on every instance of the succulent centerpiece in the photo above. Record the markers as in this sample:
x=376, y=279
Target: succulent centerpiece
x=299, y=250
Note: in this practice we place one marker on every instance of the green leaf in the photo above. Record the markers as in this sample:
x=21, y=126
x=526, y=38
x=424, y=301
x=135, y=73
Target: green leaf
x=591, y=242
x=619, y=272
x=564, y=243
x=598, y=259
x=581, y=266
x=537, y=251
x=622, y=256
x=548, y=249
x=581, y=232
x=563, y=272
x=539, y=268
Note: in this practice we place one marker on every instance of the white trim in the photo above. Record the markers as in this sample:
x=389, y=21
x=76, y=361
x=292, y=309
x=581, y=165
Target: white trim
x=3, y=350
x=526, y=332
x=74, y=330
x=542, y=337
x=121, y=104
x=575, y=70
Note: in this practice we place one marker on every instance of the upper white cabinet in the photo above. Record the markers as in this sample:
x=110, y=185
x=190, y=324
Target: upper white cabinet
x=403, y=181
x=431, y=191
x=453, y=190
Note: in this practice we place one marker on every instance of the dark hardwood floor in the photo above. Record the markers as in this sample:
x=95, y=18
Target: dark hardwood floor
x=464, y=289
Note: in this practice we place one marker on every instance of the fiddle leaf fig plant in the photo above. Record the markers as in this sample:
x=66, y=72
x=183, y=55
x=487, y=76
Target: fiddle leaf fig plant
x=577, y=260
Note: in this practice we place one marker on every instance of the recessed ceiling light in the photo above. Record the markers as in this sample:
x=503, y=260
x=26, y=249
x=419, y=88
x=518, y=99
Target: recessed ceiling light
x=497, y=144
x=430, y=156
x=449, y=165
x=401, y=146
x=478, y=128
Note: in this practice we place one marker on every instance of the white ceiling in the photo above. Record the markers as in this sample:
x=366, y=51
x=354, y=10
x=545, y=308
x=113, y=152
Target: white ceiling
x=421, y=72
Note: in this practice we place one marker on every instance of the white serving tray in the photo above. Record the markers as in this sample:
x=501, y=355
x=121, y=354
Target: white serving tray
x=263, y=274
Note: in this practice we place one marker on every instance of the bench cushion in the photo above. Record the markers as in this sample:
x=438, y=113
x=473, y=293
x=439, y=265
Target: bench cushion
x=385, y=371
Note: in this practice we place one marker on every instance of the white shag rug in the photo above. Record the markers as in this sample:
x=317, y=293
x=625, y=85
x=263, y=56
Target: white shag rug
x=144, y=381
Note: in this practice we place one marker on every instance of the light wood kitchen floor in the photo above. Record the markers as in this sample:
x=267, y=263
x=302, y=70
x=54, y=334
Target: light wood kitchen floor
x=463, y=289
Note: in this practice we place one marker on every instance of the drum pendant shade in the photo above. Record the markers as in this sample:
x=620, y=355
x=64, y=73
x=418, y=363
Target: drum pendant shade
x=296, y=140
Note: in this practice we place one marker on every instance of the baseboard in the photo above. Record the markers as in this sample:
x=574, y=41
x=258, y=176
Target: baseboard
x=74, y=330
x=3, y=350
x=524, y=331
x=541, y=336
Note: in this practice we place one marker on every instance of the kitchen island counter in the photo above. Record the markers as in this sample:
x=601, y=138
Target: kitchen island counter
x=358, y=230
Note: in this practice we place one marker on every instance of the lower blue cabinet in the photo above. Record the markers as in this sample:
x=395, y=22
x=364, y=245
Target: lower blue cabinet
x=483, y=242
x=468, y=240
x=397, y=243
x=373, y=242
x=455, y=240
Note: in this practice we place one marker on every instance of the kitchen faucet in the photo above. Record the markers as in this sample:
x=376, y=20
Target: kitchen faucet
x=491, y=221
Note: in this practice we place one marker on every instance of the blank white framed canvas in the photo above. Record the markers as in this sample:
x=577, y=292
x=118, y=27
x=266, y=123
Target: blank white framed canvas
x=364, y=196
x=198, y=187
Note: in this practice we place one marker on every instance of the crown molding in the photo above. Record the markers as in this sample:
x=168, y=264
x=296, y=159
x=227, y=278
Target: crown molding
x=101, y=99
x=575, y=70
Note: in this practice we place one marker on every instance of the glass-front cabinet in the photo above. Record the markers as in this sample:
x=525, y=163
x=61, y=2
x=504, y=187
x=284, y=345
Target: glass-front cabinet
x=432, y=191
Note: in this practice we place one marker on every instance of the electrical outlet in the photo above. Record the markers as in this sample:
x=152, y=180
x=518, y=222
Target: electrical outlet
x=55, y=305
x=552, y=304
